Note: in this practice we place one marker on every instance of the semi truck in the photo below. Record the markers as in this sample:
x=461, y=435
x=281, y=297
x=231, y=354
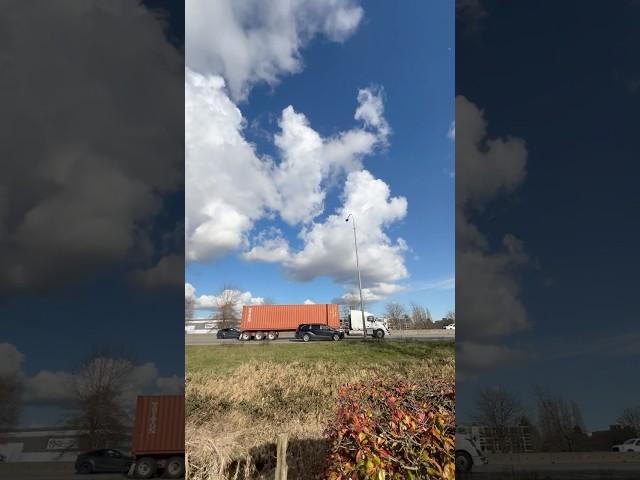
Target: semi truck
x=268, y=321
x=158, y=437
x=261, y=322
x=376, y=327
x=467, y=454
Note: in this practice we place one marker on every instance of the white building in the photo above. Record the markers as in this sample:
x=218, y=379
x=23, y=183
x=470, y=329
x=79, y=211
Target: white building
x=40, y=445
x=200, y=326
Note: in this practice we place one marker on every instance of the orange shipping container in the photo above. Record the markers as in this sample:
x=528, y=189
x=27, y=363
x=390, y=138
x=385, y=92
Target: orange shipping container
x=159, y=425
x=287, y=317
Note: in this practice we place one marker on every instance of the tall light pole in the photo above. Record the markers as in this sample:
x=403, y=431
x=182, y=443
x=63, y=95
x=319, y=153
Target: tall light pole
x=355, y=243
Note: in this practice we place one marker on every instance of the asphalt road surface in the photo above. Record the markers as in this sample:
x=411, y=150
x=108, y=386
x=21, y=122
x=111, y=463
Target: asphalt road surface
x=621, y=471
x=50, y=471
x=285, y=337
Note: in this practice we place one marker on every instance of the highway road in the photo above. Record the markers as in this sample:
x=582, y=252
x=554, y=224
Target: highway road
x=50, y=471
x=420, y=335
x=620, y=471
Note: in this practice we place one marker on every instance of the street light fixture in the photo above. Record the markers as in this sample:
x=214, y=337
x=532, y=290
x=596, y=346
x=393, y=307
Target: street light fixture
x=355, y=243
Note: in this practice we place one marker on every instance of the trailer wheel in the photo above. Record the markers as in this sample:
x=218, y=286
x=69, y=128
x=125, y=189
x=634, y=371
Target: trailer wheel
x=245, y=336
x=174, y=468
x=272, y=335
x=259, y=336
x=146, y=467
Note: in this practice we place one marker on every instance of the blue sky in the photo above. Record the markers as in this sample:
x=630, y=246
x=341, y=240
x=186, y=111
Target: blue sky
x=405, y=57
x=566, y=84
x=91, y=251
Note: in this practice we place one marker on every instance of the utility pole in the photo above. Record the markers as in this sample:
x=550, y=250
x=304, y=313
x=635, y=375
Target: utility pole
x=355, y=243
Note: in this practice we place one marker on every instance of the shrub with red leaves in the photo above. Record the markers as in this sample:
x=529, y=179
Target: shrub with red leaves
x=393, y=431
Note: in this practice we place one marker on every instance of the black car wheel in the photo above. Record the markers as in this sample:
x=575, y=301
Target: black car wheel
x=146, y=467
x=174, y=468
x=85, y=468
x=463, y=462
x=306, y=337
x=336, y=337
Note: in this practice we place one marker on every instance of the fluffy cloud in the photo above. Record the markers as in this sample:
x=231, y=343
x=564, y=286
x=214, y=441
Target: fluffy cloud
x=328, y=245
x=167, y=273
x=230, y=46
x=474, y=357
x=229, y=187
x=211, y=302
x=487, y=166
x=253, y=41
x=488, y=291
x=87, y=171
x=58, y=388
x=11, y=360
x=377, y=292
x=308, y=159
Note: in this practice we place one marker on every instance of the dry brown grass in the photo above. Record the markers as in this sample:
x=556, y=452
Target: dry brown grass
x=233, y=417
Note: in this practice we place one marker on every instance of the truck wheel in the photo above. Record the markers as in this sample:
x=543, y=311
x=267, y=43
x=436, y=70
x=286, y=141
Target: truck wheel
x=379, y=334
x=146, y=467
x=336, y=337
x=306, y=337
x=245, y=336
x=85, y=468
x=463, y=462
x=272, y=335
x=174, y=468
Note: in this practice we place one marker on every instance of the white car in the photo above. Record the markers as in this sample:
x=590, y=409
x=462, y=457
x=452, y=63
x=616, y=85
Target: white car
x=451, y=327
x=631, y=445
x=467, y=454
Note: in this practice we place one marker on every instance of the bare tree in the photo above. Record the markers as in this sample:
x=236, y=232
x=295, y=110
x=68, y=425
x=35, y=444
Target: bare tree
x=560, y=422
x=226, y=307
x=630, y=418
x=10, y=393
x=394, y=312
x=101, y=382
x=498, y=409
x=189, y=307
x=449, y=317
x=421, y=316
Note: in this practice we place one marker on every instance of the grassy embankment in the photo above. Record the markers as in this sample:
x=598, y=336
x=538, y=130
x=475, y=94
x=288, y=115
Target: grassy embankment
x=240, y=397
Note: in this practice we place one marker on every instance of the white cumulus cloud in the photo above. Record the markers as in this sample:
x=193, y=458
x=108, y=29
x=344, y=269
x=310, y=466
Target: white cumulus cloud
x=488, y=299
x=212, y=301
x=230, y=186
x=249, y=41
x=328, y=248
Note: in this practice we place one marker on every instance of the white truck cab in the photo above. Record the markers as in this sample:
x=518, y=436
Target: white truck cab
x=467, y=454
x=376, y=327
